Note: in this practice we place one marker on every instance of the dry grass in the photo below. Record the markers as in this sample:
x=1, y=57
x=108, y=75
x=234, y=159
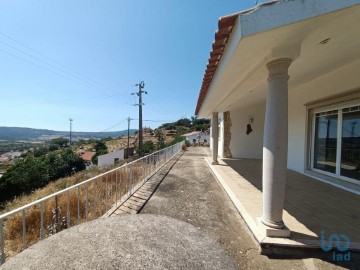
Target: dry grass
x=117, y=144
x=53, y=187
x=99, y=196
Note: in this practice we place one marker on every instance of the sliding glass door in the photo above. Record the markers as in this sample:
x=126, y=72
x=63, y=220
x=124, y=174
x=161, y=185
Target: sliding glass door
x=336, y=142
x=326, y=125
x=350, y=143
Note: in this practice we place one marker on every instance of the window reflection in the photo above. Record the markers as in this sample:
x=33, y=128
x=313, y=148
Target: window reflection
x=325, y=141
x=350, y=144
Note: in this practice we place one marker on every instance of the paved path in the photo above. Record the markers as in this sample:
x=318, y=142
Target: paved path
x=125, y=242
x=137, y=201
x=191, y=193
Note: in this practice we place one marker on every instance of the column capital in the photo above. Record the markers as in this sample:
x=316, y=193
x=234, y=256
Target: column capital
x=279, y=67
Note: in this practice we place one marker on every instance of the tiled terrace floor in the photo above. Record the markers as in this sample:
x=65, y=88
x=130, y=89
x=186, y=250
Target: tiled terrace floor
x=310, y=205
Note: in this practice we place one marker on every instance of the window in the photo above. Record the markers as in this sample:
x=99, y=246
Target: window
x=325, y=141
x=336, y=141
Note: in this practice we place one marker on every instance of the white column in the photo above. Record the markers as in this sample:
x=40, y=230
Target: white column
x=215, y=137
x=275, y=143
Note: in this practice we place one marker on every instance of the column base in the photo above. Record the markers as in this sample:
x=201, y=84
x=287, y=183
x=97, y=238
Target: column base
x=283, y=232
x=215, y=162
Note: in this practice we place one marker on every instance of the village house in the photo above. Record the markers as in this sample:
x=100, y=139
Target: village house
x=199, y=137
x=110, y=159
x=282, y=90
x=86, y=155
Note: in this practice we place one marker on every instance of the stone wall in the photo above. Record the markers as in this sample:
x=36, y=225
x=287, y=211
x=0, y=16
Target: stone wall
x=227, y=135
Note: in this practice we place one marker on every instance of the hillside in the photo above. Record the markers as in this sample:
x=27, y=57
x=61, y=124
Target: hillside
x=31, y=134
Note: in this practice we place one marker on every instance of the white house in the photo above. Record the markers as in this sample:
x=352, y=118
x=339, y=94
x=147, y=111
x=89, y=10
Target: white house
x=110, y=158
x=197, y=137
x=282, y=84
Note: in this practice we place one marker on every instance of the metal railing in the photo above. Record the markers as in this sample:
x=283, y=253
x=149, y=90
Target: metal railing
x=88, y=200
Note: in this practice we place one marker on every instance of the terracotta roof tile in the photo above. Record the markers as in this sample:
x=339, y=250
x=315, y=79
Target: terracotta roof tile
x=226, y=25
x=87, y=155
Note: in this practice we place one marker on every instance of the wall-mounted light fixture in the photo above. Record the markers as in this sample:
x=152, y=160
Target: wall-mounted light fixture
x=248, y=126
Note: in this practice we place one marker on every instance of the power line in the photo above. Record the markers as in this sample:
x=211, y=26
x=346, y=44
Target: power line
x=122, y=121
x=158, y=103
x=77, y=78
x=72, y=99
x=160, y=121
x=49, y=64
x=44, y=68
x=45, y=56
x=39, y=66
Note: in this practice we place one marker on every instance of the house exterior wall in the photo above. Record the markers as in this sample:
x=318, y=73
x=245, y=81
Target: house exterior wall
x=343, y=79
x=242, y=145
x=204, y=136
x=109, y=159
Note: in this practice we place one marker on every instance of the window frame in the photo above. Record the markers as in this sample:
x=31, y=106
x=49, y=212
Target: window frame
x=339, y=106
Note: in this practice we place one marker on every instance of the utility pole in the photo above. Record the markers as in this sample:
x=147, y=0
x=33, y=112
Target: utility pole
x=70, y=119
x=128, y=141
x=141, y=85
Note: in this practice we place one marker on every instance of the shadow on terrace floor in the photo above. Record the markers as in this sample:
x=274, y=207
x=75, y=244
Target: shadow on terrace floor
x=315, y=205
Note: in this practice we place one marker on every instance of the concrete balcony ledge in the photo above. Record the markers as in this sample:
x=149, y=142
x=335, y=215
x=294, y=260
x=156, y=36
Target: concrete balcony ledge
x=310, y=205
x=126, y=242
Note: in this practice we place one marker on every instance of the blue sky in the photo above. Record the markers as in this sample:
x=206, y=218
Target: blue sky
x=81, y=59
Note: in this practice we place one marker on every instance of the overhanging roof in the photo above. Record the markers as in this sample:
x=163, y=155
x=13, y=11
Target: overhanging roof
x=226, y=25
x=247, y=38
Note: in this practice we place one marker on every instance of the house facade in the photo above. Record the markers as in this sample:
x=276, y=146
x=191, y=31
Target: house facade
x=282, y=85
x=110, y=158
x=197, y=137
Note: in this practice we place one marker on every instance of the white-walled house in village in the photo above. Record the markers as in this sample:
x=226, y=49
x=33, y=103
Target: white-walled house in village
x=110, y=158
x=282, y=85
x=197, y=137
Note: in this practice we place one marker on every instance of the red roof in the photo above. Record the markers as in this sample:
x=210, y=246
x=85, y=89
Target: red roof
x=226, y=25
x=87, y=155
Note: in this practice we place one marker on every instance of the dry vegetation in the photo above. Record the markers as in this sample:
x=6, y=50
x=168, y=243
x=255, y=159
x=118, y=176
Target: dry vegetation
x=117, y=144
x=98, y=195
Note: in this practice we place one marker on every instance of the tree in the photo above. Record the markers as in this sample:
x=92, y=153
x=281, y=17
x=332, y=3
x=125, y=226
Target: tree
x=40, y=151
x=36, y=172
x=26, y=176
x=94, y=158
x=100, y=145
x=61, y=142
x=178, y=138
x=160, y=138
x=64, y=164
x=148, y=147
x=53, y=147
x=185, y=122
x=181, y=130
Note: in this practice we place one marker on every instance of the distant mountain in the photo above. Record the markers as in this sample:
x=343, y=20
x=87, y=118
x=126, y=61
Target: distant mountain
x=32, y=134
